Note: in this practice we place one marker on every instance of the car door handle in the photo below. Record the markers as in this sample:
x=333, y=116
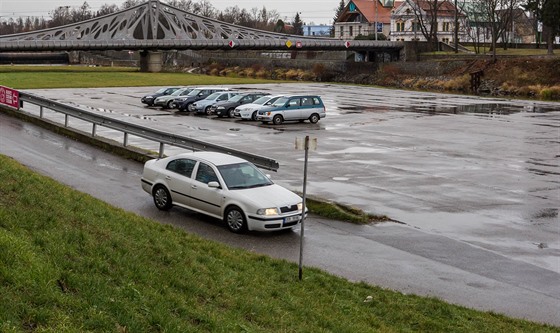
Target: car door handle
x=168, y=177
x=194, y=187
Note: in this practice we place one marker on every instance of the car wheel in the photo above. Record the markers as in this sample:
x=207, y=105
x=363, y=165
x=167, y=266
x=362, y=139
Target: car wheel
x=208, y=111
x=277, y=120
x=235, y=220
x=162, y=198
x=254, y=116
x=314, y=118
x=188, y=107
x=169, y=105
x=230, y=113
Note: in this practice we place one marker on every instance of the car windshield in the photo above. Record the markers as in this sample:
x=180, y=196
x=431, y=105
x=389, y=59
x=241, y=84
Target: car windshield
x=178, y=92
x=194, y=92
x=280, y=101
x=262, y=100
x=214, y=96
x=242, y=176
x=236, y=98
x=159, y=91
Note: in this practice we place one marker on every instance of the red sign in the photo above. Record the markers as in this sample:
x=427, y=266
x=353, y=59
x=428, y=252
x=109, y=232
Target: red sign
x=347, y=44
x=299, y=45
x=9, y=97
x=231, y=43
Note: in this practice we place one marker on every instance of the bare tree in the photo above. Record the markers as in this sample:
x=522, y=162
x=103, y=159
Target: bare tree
x=82, y=13
x=107, y=9
x=426, y=14
x=60, y=16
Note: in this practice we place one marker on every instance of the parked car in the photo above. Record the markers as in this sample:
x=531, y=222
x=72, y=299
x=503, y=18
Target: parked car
x=166, y=101
x=293, y=107
x=149, y=99
x=250, y=111
x=227, y=108
x=183, y=103
x=222, y=186
x=204, y=105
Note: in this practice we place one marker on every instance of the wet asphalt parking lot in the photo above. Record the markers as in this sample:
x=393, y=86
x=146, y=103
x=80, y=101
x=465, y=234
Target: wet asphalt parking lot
x=479, y=171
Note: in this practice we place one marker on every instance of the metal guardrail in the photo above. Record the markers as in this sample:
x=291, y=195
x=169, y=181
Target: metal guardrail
x=163, y=138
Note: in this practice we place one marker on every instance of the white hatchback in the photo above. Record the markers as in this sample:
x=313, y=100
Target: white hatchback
x=222, y=186
x=250, y=111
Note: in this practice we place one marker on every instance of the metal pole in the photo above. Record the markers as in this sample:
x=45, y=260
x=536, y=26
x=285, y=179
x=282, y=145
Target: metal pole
x=456, y=29
x=376, y=17
x=303, y=208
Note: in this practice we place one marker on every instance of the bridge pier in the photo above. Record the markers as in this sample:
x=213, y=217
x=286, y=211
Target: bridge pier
x=151, y=61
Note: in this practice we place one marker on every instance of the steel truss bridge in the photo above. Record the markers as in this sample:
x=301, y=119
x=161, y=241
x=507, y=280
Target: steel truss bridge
x=154, y=25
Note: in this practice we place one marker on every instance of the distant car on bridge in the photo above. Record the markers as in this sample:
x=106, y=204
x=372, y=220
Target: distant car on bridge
x=149, y=99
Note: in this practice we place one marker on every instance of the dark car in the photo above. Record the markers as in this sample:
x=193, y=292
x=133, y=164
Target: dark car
x=150, y=99
x=183, y=103
x=227, y=108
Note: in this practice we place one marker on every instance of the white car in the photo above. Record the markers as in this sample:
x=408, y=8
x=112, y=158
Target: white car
x=222, y=186
x=250, y=111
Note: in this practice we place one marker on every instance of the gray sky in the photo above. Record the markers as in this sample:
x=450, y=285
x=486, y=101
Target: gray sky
x=316, y=11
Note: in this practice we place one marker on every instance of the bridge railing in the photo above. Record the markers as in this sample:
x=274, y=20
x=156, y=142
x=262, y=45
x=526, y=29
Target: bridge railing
x=163, y=138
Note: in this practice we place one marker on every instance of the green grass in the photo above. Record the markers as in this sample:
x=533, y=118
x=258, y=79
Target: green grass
x=71, y=263
x=40, y=77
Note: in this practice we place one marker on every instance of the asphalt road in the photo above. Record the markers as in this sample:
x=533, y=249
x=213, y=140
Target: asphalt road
x=474, y=181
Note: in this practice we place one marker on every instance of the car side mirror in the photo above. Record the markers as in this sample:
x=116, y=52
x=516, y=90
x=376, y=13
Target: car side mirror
x=214, y=185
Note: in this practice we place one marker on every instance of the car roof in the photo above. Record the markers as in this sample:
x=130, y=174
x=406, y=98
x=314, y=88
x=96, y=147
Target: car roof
x=212, y=157
x=299, y=95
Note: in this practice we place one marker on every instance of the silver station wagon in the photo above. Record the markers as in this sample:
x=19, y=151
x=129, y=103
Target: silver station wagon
x=293, y=108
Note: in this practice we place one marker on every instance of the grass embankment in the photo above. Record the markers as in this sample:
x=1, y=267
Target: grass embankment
x=71, y=263
x=40, y=77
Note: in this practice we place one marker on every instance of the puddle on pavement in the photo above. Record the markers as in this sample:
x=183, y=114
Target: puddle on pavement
x=488, y=109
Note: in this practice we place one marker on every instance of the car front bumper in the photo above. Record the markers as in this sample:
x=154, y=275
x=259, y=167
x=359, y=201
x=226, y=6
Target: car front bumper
x=261, y=223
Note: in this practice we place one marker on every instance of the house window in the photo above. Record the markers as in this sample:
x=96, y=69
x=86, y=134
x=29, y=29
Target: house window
x=341, y=31
x=400, y=26
x=445, y=26
x=351, y=31
x=359, y=30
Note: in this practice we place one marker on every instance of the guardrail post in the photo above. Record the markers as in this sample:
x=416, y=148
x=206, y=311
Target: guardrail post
x=125, y=140
x=161, y=145
x=41, y=112
x=66, y=120
x=93, y=130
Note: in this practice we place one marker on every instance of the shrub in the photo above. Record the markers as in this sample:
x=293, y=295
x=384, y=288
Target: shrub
x=550, y=93
x=461, y=83
x=215, y=71
x=292, y=74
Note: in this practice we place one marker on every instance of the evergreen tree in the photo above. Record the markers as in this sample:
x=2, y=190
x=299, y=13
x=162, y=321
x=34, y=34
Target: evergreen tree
x=298, y=25
x=337, y=14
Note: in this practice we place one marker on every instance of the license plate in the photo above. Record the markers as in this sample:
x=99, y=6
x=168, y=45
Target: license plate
x=291, y=219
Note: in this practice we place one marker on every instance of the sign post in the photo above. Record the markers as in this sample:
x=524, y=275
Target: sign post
x=9, y=97
x=306, y=146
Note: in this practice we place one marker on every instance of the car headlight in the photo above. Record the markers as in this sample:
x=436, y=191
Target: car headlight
x=221, y=108
x=149, y=97
x=268, y=211
x=300, y=206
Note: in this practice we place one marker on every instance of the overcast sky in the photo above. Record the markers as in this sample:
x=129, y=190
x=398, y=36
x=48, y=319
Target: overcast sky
x=312, y=11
